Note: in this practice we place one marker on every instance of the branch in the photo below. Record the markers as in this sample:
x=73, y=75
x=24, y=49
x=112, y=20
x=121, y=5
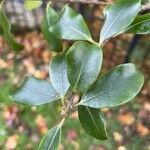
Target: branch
x=144, y=8
x=95, y=2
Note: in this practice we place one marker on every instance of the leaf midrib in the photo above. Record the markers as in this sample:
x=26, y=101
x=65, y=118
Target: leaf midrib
x=84, y=35
x=82, y=101
x=79, y=75
x=132, y=26
x=53, y=138
x=103, y=37
x=93, y=119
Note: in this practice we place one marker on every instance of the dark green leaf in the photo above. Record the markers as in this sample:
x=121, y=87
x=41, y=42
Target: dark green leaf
x=49, y=20
x=93, y=122
x=84, y=63
x=58, y=74
x=71, y=26
x=141, y=25
x=118, y=86
x=52, y=139
x=118, y=16
x=32, y=4
x=36, y=92
x=6, y=27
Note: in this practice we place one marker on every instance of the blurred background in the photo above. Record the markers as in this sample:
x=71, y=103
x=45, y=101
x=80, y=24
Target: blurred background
x=22, y=127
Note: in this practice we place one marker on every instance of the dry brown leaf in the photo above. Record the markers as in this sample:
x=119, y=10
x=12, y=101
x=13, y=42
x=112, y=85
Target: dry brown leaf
x=40, y=74
x=41, y=124
x=29, y=66
x=46, y=55
x=11, y=142
x=122, y=148
x=118, y=137
x=142, y=130
x=10, y=115
x=146, y=106
x=126, y=119
x=3, y=64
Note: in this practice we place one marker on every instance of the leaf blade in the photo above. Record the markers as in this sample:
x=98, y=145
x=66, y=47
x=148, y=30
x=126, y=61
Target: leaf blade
x=117, y=87
x=118, y=16
x=84, y=64
x=71, y=26
x=52, y=139
x=58, y=74
x=35, y=92
x=49, y=20
x=92, y=122
x=141, y=25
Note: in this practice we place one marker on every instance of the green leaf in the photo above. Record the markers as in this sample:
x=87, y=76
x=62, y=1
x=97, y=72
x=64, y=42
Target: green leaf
x=141, y=25
x=52, y=139
x=71, y=26
x=84, y=64
x=35, y=92
x=49, y=20
x=5, y=28
x=93, y=122
x=118, y=16
x=58, y=74
x=32, y=4
x=117, y=87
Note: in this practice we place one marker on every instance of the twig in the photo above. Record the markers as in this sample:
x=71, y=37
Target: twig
x=70, y=102
x=95, y=2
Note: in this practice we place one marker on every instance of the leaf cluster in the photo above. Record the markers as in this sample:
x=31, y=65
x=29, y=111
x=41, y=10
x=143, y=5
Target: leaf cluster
x=75, y=72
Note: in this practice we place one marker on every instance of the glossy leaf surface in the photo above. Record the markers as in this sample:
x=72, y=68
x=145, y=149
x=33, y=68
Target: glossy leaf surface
x=51, y=140
x=35, y=92
x=58, y=74
x=92, y=122
x=118, y=16
x=118, y=86
x=71, y=26
x=141, y=25
x=84, y=64
x=49, y=20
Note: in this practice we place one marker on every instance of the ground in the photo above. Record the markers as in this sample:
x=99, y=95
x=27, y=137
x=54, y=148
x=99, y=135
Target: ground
x=22, y=127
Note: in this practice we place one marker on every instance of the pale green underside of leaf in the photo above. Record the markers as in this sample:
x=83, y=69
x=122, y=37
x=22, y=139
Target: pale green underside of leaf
x=84, y=64
x=118, y=16
x=49, y=20
x=71, y=26
x=35, y=92
x=92, y=122
x=58, y=74
x=141, y=25
x=51, y=140
x=32, y=4
x=5, y=28
x=117, y=87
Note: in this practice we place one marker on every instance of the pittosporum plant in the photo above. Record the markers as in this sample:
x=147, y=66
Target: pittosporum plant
x=74, y=72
